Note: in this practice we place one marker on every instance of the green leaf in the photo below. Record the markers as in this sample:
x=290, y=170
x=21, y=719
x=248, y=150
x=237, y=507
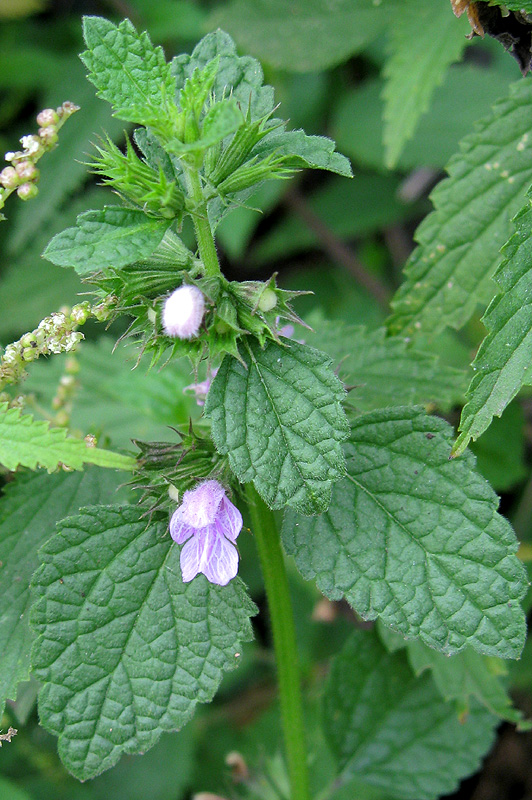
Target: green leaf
x=415, y=539
x=115, y=400
x=500, y=451
x=386, y=371
x=241, y=74
x=393, y=731
x=505, y=354
x=31, y=443
x=515, y=5
x=465, y=97
x=221, y=120
x=29, y=509
x=128, y=71
x=144, y=647
x=310, y=37
x=450, y=272
x=114, y=236
x=314, y=152
x=465, y=675
x=424, y=40
x=279, y=418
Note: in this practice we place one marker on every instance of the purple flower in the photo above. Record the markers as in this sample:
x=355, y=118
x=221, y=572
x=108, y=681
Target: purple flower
x=201, y=389
x=207, y=523
x=183, y=312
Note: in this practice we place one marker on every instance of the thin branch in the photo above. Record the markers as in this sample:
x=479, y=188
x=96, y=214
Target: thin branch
x=336, y=248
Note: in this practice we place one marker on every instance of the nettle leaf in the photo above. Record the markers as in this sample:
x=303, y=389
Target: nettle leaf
x=128, y=71
x=27, y=442
x=278, y=416
x=505, y=354
x=380, y=720
x=424, y=40
x=29, y=509
x=415, y=539
x=313, y=36
x=114, y=236
x=465, y=675
x=125, y=649
x=241, y=75
x=313, y=152
x=387, y=371
x=459, y=242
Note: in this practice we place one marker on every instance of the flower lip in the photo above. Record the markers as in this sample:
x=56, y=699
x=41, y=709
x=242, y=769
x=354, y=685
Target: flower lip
x=207, y=524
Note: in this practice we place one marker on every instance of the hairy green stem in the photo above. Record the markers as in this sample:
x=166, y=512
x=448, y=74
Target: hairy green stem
x=284, y=639
x=202, y=226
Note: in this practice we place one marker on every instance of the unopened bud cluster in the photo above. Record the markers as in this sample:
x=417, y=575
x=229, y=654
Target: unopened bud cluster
x=22, y=174
x=55, y=334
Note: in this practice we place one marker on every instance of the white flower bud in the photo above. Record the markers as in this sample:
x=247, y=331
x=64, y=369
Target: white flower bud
x=9, y=178
x=47, y=117
x=26, y=170
x=49, y=135
x=183, y=312
x=26, y=191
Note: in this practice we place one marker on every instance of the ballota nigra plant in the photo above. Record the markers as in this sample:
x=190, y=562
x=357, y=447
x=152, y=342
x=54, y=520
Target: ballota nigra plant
x=137, y=608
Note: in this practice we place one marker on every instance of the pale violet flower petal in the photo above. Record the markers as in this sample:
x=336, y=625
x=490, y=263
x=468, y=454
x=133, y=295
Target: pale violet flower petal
x=229, y=519
x=180, y=531
x=200, y=505
x=211, y=554
x=222, y=564
x=205, y=524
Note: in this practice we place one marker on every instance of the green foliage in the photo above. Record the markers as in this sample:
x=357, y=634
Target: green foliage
x=505, y=354
x=500, y=452
x=349, y=208
x=128, y=72
x=380, y=720
x=467, y=86
x=311, y=36
x=115, y=400
x=450, y=270
x=145, y=647
x=415, y=66
x=114, y=236
x=32, y=443
x=465, y=675
x=415, y=539
x=383, y=371
x=277, y=415
x=29, y=510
